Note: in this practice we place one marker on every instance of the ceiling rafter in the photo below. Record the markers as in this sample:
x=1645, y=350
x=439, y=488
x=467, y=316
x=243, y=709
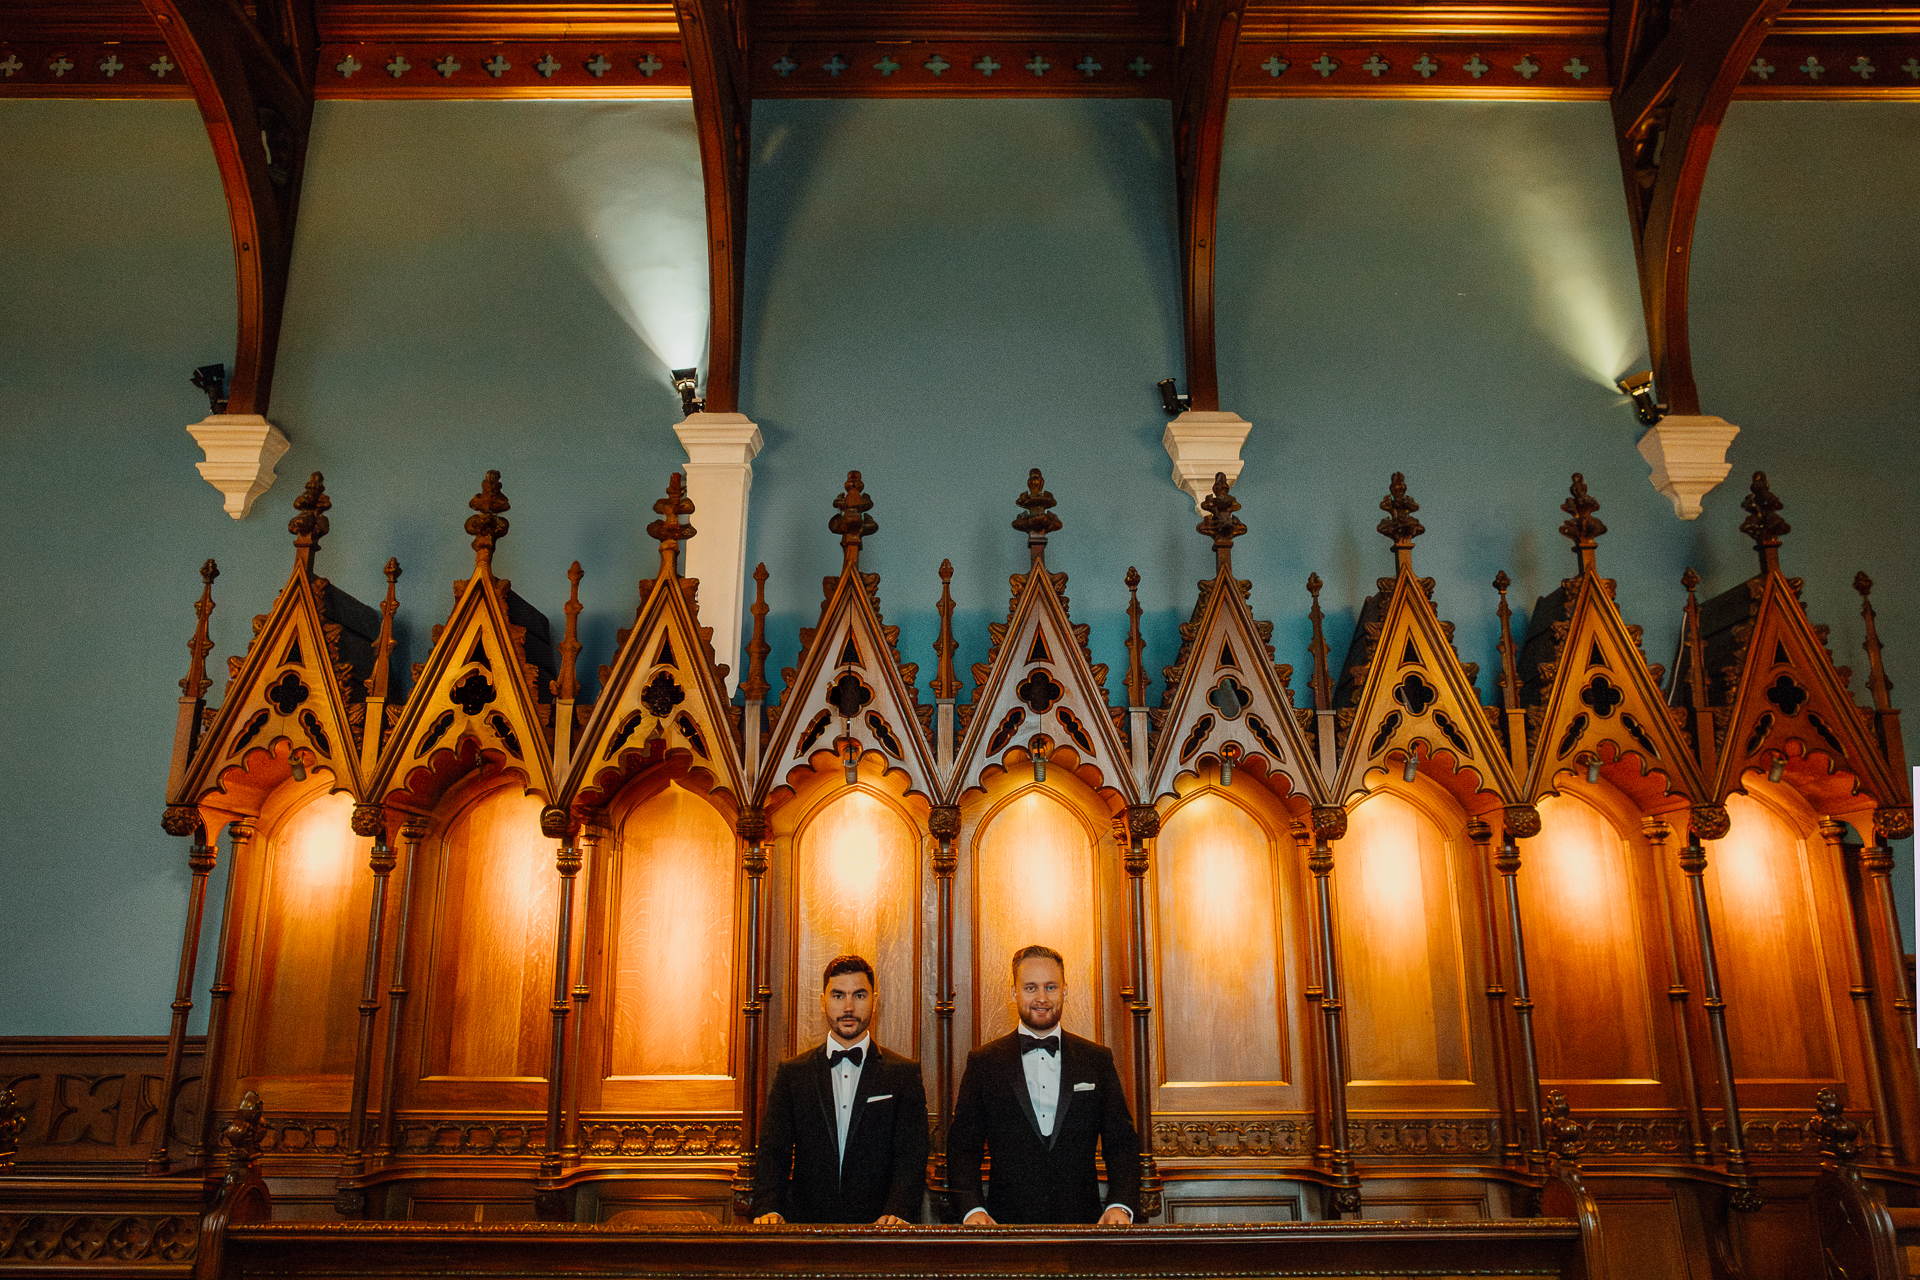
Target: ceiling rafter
x=1209, y=33
x=1673, y=77
x=253, y=80
x=714, y=36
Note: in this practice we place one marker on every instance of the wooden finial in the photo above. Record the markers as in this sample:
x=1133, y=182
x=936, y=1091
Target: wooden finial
x=487, y=526
x=379, y=681
x=1877, y=682
x=1220, y=523
x=668, y=530
x=1136, y=647
x=755, y=686
x=1509, y=666
x=1696, y=673
x=1036, y=519
x=851, y=520
x=946, y=685
x=1322, y=678
x=309, y=523
x=567, y=686
x=1763, y=523
x=196, y=682
x=1400, y=524
x=1581, y=526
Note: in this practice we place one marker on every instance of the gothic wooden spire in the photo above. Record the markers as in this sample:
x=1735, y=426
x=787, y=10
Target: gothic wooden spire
x=851, y=520
x=1877, y=682
x=487, y=524
x=567, y=686
x=309, y=523
x=1220, y=523
x=1763, y=523
x=1322, y=679
x=946, y=685
x=1582, y=527
x=381, y=678
x=1136, y=673
x=667, y=530
x=754, y=687
x=1400, y=524
x=196, y=682
x=1694, y=672
x=1509, y=665
x=1036, y=519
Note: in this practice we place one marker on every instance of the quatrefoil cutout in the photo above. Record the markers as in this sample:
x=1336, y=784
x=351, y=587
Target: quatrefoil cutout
x=1229, y=698
x=1603, y=696
x=1039, y=691
x=1415, y=694
x=1786, y=694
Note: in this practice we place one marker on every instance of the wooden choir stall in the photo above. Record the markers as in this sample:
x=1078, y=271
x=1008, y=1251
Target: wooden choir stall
x=1399, y=982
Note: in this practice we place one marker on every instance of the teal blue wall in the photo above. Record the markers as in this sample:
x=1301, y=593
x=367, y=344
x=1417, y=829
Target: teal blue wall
x=940, y=294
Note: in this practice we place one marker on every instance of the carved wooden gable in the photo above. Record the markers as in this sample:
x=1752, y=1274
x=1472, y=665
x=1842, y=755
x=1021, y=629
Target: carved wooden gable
x=292, y=703
x=850, y=689
x=1411, y=697
x=1789, y=712
x=662, y=693
x=1596, y=703
x=1040, y=689
x=1225, y=698
x=476, y=695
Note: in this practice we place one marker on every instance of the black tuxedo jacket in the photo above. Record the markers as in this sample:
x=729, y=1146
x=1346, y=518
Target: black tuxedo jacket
x=1038, y=1179
x=798, y=1172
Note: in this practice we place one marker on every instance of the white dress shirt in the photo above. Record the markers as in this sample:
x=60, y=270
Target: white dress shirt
x=1043, y=1079
x=846, y=1081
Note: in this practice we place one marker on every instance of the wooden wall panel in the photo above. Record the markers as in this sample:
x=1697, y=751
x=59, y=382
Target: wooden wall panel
x=492, y=972
x=1586, y=949
x=1401, y=948
x=672, y=941
x=1219, y=947
x=1774, y=975
x=1035, y=882
x=311, y=943
x=858, y=882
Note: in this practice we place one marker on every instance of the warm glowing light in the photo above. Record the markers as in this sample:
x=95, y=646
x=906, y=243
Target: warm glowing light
x=633, y=180
x=859, y=893
x=1036, y=873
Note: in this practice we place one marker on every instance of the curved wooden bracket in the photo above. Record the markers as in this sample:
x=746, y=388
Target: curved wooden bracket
x=1672, y=88
x=714, y=37
x=1209, y=33
x=253, y=79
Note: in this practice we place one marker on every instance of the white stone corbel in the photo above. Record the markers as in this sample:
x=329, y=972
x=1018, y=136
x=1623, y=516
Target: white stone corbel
x=241, y=449
x=1203, y=445
x=720, y=451
x=1688, y=454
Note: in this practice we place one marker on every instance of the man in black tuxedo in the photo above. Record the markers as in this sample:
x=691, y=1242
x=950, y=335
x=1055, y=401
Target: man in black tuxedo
x=1037, y=1101
x=845, y=1133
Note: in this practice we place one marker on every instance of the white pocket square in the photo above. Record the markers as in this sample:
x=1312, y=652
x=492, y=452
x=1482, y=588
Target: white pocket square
x=879, y=1097
x=1084, y=1087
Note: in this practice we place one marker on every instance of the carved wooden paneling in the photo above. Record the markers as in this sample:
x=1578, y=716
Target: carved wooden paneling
x=90, y=1101
x=858, y=885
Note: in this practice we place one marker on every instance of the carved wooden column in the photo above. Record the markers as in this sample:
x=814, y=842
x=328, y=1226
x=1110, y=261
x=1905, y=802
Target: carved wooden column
x=944, y=823
x=591, y=833
x=1860, y=985
x=1314, y=993
x=752, y=829
x=182, y=820
x=1710, y=822
x=1658, y=833
x=1886, y=964
x=1143, y=824
x=1481, y=833
x=411, y=834
x=368, y=820
x=1521, y=821
x=1329, y=823
x=554, y=823
x=240, y=834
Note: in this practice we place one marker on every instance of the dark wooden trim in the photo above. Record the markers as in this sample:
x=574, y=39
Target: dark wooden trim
x=1210, y=30
x=714, y=41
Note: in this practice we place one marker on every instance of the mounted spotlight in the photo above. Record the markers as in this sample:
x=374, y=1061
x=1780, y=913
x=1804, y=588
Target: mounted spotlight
x=1172, y=400
x=298, y=766
x=1778, y=769
x=212, y=379
x=1593, y=770
x=1229, y=756
x=1039, y=746
x=1638, y=387
x=1410, y=768
x=850, y=761
x=685, y=381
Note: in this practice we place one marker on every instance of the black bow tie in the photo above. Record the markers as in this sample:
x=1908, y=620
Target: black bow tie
x=852, y=1055
x=1050, y=1043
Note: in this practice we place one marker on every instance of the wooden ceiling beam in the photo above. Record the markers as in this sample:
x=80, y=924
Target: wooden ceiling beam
x=713, y=35
x=1209, y=32
x=253, y=80
x=1673, y=81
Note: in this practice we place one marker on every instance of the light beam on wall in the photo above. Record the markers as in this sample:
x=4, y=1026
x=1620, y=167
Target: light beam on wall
x=632, y=180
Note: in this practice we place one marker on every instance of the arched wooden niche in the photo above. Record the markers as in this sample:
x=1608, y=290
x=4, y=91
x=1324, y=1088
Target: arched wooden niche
x=1227, y=931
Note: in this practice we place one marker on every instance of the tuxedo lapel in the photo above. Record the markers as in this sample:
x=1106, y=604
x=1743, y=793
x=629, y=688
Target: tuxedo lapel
x=823, y=1090
x=1071, y=1067
x=870, y=1072
x=1017, y=1081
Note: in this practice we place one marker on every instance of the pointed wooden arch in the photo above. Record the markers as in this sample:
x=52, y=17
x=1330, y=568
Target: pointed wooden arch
x=1224, y=696
x=1040, y=681
x=850, y=660
x=662, y=695
x=293, y=694
x=475, y=700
